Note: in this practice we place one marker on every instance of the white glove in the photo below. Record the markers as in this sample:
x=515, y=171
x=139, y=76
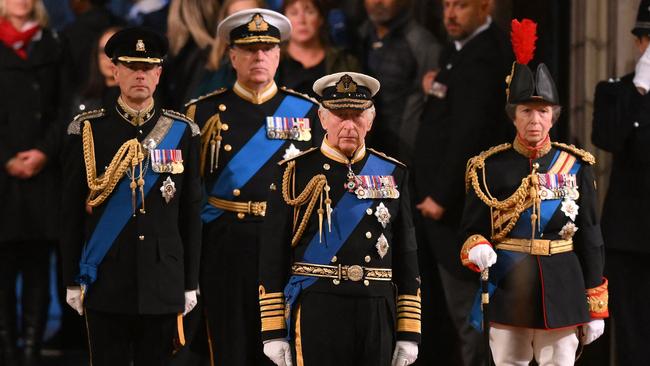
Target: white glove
x=278, y=351
x=190, y=301
x=642, y=72
x=73, y=298
x=406, y=352
x=483, y=256
x=592, y=330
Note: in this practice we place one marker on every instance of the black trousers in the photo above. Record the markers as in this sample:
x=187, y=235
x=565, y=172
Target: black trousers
x=629, y=294
x=343, y=331
x=229, y=286
x=119, y=339
x=32, y=260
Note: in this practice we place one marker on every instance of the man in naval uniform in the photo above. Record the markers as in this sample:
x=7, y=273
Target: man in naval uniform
x=622, y=127
x=338, y=262
x=245, y=131
x=534, y=202
x=131, y=225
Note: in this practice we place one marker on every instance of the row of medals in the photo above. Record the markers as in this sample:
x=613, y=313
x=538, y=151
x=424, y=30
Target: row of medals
x=294, y=133
x=356, y=186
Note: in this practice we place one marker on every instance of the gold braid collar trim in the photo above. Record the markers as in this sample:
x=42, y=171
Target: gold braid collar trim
x=598, y=299
x=316, y=188
x=128, y=156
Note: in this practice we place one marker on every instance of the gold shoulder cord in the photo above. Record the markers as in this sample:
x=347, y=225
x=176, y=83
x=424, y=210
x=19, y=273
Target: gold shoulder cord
x=211, y=137
x=312, y=193
x=512, y=207
x=129, y=155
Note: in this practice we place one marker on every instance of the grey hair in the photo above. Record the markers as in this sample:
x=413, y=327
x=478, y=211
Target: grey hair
x=511, y=110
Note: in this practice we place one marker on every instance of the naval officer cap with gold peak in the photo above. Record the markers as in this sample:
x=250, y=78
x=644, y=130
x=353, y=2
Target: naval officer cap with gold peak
x=254, y=26
x=136, y=44
x=346, y=90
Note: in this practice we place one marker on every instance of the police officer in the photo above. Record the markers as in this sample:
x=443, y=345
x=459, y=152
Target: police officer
x=622, y=127
x=338, y=259
x=131, y=213
x=245, y=131
x=534, y=202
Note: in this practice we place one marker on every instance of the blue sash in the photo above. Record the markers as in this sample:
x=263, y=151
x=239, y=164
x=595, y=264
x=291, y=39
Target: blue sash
x=252, y=157
x=345, y=217
x=118, y=211
x=507, y=259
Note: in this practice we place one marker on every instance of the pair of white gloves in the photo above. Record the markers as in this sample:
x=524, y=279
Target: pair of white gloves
x=73, y=298
x=483, y=256
x=279, y=351
x=642, y=73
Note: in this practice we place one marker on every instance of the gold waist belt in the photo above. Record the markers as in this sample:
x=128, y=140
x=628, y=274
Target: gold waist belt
x=537, y=246
x=250, y=207
x=341, y=272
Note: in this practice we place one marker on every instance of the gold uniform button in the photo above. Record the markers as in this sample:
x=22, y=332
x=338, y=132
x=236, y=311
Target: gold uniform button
x=369, y=211
x=366, y=282
x=227, y=147
x=236, y=192
x=367, y=259
x=368, y=235
x=334, y=259
x=326, y=166
x=241, y=215
x=141, y=237
x=222, y=107
x=224, y=127
x=336, y=282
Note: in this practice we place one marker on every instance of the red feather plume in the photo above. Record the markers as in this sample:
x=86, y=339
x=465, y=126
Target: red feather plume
x=523, y=37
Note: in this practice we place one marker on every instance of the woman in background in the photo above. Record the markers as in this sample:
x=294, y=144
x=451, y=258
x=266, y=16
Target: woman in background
x=191, y=28
x=308, y=54
x=31, y=95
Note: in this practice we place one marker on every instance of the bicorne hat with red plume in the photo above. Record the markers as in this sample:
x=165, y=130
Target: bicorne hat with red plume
x=523, y=85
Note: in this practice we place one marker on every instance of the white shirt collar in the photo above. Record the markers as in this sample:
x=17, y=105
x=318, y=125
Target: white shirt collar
x=460, y=44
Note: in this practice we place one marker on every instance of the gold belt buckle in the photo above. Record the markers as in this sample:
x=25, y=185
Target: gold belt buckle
x=355, y=273
x=540, y=247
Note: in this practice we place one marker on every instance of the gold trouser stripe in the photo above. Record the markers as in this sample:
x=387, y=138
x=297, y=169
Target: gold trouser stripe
x=273, y=323
x=256, y=208
x=408, y=325
x=531, y=247
x=90, y=348
x=299, y=360
x=209, y=334
x=180, y=329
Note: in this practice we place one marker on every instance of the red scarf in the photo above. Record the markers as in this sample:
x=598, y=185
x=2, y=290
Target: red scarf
x=15, y=39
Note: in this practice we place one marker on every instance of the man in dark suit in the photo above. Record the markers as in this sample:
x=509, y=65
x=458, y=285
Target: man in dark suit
x=246, y=130
x=131, y=234
x=463, y=116
x=621, y=125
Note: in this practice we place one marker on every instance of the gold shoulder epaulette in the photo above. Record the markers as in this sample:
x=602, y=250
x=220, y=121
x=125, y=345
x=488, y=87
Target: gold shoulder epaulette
x=211, y=94
x=300, y=154
x=305, y=96
x=181, y=117
x=383, y=155
x=478, y=161
x=74, y=128
x=586, y=156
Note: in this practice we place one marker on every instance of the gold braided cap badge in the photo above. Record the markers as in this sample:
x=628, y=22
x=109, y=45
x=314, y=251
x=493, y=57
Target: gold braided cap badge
x=258, y=24
x=139, y=46
x=346, y=85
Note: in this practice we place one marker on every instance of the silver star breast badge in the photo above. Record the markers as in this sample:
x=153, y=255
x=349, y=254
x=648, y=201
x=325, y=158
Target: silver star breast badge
x=568, y=230
x=570, y=208
x=290, y=152
x=382, y=214
x=168, y=189
x=382, y=246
